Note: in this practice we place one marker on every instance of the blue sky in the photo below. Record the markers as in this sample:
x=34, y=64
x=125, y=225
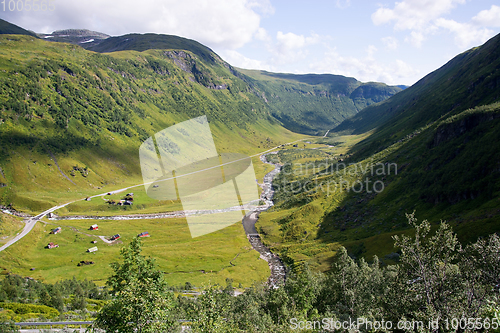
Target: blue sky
x=392, y=42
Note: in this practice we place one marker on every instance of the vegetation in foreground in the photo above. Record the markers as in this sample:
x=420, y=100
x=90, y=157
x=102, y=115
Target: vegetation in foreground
x=436, y=281
x=437, y=286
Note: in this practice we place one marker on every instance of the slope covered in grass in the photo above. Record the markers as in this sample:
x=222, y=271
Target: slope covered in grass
x=449, y=170
x=72, y=121
x=442, y=138
x=316, y=103
x=9, y=28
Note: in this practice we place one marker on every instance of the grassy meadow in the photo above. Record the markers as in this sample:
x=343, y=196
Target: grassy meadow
x=207, y=259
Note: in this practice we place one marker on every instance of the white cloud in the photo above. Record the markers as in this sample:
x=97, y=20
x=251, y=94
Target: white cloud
x=466, y=34
x=366, y=68
x=488, y=17
x=415, y=38
x=239, y=60
x=264, y=6
x=290, y=41
x=390, y=42
x=290, y=47
x=413, y=14
x=262, y=35
x=426, y=17
x=223, y=23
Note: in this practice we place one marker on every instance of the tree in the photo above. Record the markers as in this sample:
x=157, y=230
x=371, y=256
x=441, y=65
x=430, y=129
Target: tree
x=440, y=280
x=79, y=302
x=56, y=300
x=142, y=303
x=44, y=297
x=210, y=311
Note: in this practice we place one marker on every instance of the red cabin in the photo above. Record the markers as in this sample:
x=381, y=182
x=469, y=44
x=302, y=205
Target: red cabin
x=52, y=245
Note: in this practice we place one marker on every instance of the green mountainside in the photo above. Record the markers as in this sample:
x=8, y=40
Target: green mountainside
x=65, y=108
x=62, y=101
x=468, y=80
x=9, y=28
x=434, y=148
x=143, y=42
x=315, y=103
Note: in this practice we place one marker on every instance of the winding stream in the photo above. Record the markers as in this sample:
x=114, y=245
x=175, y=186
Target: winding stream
x=278, y=270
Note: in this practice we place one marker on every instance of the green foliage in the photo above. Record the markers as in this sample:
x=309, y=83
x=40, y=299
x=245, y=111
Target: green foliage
x=78, y=302
x=23, y=309
x=142, y=300
x=7, y=326
x=209, y=312
x=57, y=301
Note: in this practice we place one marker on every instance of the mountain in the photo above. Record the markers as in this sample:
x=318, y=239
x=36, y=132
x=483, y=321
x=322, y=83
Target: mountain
x=65, y=108
x=83, y=37
x=316, y=103
x=468, y=80
x=65, y=99
x=143, y=42
x=433, y=148
x=9, y=28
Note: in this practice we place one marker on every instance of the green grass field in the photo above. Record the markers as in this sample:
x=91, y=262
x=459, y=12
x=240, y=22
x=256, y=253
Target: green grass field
x=207, y=259
x=203, y=260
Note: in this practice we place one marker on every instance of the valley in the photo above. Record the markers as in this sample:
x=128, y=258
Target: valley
x=342, y=171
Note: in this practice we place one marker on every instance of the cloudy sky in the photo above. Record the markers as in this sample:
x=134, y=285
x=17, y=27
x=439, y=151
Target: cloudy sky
x=387, y=41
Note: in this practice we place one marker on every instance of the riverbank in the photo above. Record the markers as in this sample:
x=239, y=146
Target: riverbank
x=278, y=269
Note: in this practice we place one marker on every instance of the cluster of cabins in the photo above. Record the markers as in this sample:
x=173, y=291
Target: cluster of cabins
x=128, y=200
x=57, y=230
x=51, y=245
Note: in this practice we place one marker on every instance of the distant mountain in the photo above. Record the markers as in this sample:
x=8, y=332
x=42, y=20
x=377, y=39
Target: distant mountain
x=309, y=104
x=143, y=42
x=442, y=138
x=9, y=28
x=468, y=80
x=83, y=37
x=315, y=103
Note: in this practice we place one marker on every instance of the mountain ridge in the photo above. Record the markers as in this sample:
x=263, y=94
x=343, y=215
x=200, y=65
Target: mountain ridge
x=468, y=80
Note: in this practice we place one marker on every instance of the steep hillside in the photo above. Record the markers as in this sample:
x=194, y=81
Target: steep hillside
x=315, y=103
x=468, y=80
x=143, y=42
x=71, y=121
x=9, y=28
x=436, y=151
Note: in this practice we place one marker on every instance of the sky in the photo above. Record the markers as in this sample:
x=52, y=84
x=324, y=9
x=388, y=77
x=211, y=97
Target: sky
x=391, y=42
